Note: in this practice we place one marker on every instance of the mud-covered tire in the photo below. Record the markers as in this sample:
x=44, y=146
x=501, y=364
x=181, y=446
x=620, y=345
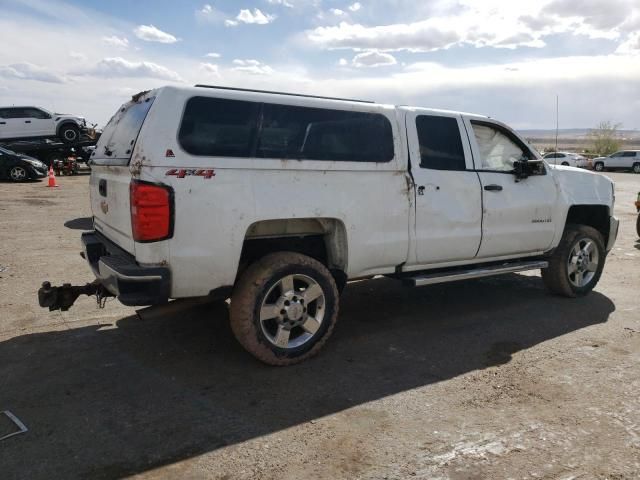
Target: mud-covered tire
x=257, y=289
x=557, y=277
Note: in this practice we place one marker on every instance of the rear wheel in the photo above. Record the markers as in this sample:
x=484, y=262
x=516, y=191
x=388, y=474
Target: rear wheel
x=636, y=167
x=18, y=174
x=576, y=265
x=599, y=167
x=566, y=164
x=69, y=133
x=284, y=308
x=638, y=225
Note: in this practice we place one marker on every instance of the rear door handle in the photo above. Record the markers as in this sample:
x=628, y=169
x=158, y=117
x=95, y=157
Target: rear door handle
x=102, y=187
x=27, y=121
x=493, y=188
x=3, y=123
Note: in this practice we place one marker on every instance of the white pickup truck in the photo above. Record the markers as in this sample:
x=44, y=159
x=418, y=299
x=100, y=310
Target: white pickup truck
x=277, y=200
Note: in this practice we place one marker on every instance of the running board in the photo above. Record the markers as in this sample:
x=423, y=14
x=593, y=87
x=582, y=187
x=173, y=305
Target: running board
x=451, y=276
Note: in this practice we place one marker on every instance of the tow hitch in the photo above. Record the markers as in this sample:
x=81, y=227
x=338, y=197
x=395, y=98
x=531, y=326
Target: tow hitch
x=62, y=298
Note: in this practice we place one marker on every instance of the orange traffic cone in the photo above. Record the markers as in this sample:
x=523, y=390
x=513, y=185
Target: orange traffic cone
x=52, y=177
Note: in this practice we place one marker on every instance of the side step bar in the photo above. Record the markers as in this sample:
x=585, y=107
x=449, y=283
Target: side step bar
x=483, y=271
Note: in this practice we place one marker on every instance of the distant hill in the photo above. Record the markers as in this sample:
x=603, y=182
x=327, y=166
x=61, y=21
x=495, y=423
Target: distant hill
x=575, y=133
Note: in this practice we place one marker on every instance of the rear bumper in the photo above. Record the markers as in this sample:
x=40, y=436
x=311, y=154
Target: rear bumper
x=118, y=271
x=613, y=232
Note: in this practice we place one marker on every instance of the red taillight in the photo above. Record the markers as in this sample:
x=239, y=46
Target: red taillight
x=151, y=211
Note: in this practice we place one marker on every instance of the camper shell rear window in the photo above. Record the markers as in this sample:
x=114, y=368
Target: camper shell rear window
x=116, y=143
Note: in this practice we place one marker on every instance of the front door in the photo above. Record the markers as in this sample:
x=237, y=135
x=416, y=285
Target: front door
x=517, y=215
x=448, y=208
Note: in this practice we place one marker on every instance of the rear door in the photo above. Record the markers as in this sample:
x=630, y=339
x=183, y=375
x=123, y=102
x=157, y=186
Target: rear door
x=110, y=174
x=448, y=196
x=12, y=124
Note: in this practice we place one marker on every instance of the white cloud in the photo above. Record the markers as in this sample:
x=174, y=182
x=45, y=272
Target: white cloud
x=631, y=46
x=30, y=71
x=210, y=68
x=247, y=16
x=209, y=14
x=115, y=41
x=596, y=13
x=373, y=59
x=419, y=36
x=78, y=56
x=149, y=33
x=343, y=62
x=253, y=67
x=114, y=67
x=284, y=3
x=490, y=23
x=336, y=11
x=213, y=55
x=354, y=7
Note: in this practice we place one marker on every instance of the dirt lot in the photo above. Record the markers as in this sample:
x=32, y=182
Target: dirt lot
x=490, y=378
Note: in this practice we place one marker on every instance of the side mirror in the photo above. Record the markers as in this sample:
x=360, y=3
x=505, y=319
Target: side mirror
x=520, y=169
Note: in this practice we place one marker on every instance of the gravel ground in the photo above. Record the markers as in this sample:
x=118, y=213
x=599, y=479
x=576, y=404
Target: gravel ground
x=490, y=378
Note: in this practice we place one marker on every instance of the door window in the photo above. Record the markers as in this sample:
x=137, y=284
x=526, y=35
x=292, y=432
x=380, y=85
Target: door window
x=629, y=154
x=440, y=143
x=37, y=113
x=498, y=151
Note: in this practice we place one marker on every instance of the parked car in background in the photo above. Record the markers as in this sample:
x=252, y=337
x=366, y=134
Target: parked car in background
x=622, y=160
x=35, y=122
x=567, y=158
x=18, y=167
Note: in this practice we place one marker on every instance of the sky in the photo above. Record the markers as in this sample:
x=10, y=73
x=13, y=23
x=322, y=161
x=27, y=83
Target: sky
x=504, y=58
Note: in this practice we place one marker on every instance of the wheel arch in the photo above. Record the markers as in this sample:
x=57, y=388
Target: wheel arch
x=596, y=216
x=324, y=239
x=64, y=123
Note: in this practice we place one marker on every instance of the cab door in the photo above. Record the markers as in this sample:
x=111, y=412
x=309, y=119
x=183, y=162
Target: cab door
x=41, y=123
x=448, y=209
x=517, y=214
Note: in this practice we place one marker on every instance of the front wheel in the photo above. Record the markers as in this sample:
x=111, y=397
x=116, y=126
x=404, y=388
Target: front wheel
x=576, y=265
x=599, y=167
x=69, y=133
x=18, y=174
x=636, y=167
x=284, y=308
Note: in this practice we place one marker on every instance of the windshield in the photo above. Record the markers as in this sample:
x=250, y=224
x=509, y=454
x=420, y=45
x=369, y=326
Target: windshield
x=116, y=143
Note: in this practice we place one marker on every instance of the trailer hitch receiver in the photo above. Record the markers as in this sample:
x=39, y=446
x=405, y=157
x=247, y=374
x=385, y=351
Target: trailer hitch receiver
x=62, y=298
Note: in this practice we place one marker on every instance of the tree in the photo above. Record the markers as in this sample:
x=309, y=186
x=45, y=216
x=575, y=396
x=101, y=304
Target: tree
x=604, y=138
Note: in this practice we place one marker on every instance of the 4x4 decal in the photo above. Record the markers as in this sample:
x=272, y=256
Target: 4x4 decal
x=185, y=172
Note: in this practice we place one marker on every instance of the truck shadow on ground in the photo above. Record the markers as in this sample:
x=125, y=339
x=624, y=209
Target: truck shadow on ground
x=105, y=402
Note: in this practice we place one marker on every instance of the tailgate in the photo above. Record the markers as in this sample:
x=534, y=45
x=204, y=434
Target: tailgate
x=110, y=174
x=109, y=187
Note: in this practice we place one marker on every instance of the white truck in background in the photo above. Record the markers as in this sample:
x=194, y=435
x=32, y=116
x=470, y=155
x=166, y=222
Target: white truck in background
x=277, y=200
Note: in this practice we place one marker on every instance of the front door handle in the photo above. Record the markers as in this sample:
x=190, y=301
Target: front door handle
x=27, y=121
x=3, y=123
x=493, y=188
